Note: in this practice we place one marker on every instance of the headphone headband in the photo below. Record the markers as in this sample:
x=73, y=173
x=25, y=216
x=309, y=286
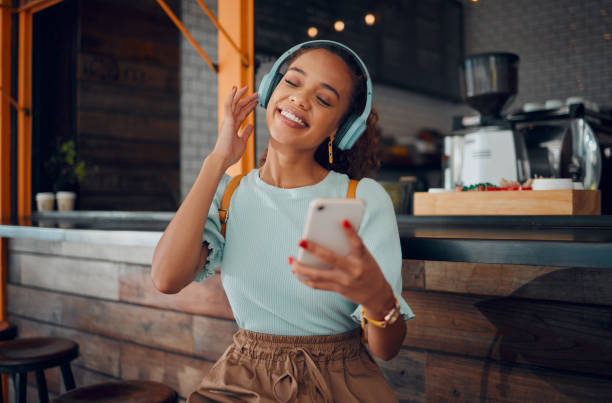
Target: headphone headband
x=354, y=125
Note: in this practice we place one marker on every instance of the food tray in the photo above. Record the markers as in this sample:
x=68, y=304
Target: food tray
x=526, y=202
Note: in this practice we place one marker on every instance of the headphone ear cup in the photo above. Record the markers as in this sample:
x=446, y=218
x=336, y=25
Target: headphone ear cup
x=349, y=132
x=267, y=86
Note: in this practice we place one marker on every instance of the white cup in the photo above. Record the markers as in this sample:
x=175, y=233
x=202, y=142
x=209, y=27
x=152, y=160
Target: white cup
x=65, y=200
x=45, y=201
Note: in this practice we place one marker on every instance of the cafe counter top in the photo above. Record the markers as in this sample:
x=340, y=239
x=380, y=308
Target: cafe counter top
x=577, y=241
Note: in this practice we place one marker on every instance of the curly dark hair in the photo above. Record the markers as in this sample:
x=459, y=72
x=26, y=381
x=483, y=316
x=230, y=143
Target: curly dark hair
x=362, y=159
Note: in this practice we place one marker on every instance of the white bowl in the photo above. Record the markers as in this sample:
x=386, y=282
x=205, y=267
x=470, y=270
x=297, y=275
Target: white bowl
x=552, y=184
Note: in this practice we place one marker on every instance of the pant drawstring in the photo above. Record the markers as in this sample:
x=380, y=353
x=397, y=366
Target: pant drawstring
x=311, y=369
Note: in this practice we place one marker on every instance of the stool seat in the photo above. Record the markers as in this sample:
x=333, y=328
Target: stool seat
x=36, y=353
x=7, y=331
x=121, y=391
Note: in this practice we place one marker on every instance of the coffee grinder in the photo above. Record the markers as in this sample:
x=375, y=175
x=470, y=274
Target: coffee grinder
x=491, y=150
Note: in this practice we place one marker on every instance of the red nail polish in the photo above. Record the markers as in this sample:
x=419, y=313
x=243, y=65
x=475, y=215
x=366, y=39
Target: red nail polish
x=346, y=224
x=303, y=244
x=290, y=260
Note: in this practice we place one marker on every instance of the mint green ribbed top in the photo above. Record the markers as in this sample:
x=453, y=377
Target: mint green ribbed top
x=264, y=227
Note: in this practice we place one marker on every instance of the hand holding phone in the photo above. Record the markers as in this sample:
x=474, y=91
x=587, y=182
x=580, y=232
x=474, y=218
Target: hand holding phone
x=324, y=227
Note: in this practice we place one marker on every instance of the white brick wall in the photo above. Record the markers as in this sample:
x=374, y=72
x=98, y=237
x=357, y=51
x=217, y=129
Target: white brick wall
x=198, y=92
x=564, y=45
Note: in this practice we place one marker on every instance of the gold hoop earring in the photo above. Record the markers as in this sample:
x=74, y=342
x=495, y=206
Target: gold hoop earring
x=329, y=150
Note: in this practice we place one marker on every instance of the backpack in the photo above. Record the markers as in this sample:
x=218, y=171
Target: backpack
x=229, y=191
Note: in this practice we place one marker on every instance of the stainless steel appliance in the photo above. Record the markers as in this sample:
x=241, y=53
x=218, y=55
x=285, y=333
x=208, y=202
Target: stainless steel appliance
x=491, y=150
x=569, y=141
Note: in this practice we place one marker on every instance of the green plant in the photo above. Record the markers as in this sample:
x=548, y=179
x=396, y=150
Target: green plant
x=66, y=169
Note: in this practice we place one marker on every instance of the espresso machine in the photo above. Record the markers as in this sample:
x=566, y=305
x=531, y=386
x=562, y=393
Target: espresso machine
x=570, y=139
x=490, y=148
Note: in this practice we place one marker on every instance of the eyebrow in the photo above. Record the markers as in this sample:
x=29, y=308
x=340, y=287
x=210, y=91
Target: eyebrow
x=329, y=87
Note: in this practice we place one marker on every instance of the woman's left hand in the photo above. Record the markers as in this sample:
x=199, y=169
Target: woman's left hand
x=356, y=276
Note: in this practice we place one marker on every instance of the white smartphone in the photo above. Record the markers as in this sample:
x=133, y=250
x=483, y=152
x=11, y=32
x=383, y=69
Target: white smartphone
x=324, y=226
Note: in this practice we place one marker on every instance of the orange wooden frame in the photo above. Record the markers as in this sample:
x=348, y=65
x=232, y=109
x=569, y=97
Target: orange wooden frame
x=5, y=156
x=23, y=105
x=24, y=96
x=237, y=16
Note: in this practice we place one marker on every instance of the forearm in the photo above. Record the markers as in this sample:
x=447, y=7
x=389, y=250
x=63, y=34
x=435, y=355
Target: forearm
x=385, y=343
x=177, y=254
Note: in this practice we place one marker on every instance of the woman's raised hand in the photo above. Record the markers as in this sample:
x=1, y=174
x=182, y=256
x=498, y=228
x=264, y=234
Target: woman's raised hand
x=231, y=144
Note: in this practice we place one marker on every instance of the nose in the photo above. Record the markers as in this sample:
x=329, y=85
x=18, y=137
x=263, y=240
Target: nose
x=298, y=99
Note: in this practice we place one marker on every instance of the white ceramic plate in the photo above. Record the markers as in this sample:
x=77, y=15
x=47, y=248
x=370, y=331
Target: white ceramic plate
x=552, y=184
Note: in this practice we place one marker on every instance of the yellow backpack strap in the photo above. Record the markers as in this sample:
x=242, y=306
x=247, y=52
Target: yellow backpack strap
x=352, y=189
x=225, y=201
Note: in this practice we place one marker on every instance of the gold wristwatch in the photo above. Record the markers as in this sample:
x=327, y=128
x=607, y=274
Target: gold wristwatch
x=390, y=318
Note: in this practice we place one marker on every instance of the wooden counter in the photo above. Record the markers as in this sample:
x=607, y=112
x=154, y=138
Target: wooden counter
x=483, y=331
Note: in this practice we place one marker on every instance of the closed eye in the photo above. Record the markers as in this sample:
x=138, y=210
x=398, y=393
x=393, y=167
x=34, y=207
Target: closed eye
x=321, y=100
x=290, y=83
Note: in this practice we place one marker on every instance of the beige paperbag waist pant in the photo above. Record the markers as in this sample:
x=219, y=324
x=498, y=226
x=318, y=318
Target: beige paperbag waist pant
x=262, y=368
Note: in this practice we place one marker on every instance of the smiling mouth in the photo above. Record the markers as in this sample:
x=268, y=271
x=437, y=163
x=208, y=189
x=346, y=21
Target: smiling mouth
x=287, y=114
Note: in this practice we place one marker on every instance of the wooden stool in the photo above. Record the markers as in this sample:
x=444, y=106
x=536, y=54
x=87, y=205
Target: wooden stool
x=122, y=391
x=7, y=331
x=20, y=356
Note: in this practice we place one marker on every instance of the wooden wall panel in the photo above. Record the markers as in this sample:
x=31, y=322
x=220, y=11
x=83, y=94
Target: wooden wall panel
x=84, y=277
x=413, y=274
x=581, y=285
x=406, y=375
x=96, y=353
x=148, y=326
x=462, y=379
x=111, y=359
x=529, y=346
x=112, y=99
x=128, y=106
x=181, y=373
x=142, y=255
x=565, y=336
x=125, y=73
x=132, y=127
x=211, y=338
x=205, y=298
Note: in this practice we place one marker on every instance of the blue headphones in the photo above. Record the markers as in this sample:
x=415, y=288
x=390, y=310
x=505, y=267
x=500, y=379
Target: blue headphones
x=354, y=125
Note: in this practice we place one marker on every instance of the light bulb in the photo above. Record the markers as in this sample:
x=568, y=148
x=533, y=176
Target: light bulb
x=339, y=25
x=312, y=32
x=370, y=19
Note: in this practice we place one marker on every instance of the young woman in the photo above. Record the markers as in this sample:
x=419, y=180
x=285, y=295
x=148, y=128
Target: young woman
x=299, y=337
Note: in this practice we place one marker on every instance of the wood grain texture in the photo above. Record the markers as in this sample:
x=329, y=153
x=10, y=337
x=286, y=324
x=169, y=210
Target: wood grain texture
x=133, y=127
x=580, y=285
x=413, y=274
x=164, y=329
x=212, y=337
x=125, y=73
x=540, y=202
x=102, y=358
x=552, y=335
x=100, y=354
x=406, y=375
x=113, y=253
x=181, y=373
x=461, y=379
x=85, y=277
x=205, y=298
